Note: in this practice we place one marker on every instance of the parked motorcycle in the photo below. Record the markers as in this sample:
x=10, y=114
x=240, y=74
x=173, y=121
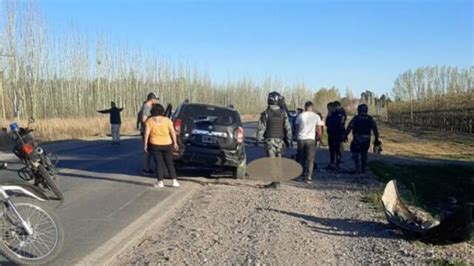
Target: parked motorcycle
x=40, y=167
x=30, y=232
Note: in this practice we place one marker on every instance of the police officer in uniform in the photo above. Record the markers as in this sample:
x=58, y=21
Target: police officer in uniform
x=274, y=126
x=361, y=126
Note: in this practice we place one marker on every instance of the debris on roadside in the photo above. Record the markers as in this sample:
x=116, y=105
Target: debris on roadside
x=455, y=224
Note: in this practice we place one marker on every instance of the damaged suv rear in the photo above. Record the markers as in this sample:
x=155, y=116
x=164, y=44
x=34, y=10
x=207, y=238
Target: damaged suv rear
x=210, y=136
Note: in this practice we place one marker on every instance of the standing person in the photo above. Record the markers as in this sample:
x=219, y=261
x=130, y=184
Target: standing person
x=331, y=136
x=274, y=127
x=309, y=126
x=144, y=114
x=320, y=138
x=335, y=135
x=342, y=114
x=294, y=131
x=139, y=120
x=169, y=110
x=284, y=107
x=160, y=140
x=115, y=121
x=294, y=127
x=361, y=126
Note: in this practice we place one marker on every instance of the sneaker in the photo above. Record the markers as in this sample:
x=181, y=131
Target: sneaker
x=148, y=172
x=175, y=183
x=159, y=184
x=308, y=181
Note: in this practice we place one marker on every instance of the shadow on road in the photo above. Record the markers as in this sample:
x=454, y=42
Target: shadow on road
x=342, y=227
x=96, y=177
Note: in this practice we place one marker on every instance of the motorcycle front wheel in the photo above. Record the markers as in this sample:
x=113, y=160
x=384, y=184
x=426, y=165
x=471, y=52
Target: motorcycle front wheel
x=40, y=247
x=50, y=182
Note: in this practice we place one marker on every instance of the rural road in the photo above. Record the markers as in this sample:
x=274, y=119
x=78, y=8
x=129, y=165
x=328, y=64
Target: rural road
x=104, y=191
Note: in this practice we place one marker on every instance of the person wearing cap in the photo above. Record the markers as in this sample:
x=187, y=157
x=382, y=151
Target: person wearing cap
x=115, y=121
x=144, y=114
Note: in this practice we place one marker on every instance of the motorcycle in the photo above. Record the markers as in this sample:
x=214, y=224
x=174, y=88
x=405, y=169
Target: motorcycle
x=40, y=167
x=30, y=232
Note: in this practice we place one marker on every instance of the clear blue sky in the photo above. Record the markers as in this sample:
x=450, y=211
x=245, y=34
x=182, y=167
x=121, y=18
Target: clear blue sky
x=356, y=44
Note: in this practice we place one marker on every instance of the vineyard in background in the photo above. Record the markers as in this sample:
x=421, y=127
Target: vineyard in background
x=447, y=112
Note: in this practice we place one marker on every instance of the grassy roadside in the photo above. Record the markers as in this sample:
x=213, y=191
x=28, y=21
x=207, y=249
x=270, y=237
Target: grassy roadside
x=430, y=185
x=431, y=144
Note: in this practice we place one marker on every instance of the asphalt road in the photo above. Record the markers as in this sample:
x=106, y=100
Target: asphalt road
x=104, y=190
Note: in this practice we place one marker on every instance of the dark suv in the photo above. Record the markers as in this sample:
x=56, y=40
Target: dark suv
x=210, y=137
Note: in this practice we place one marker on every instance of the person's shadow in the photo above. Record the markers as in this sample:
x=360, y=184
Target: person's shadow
x=343, y=227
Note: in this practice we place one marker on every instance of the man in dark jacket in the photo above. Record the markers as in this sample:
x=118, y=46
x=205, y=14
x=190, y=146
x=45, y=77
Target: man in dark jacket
x=335, y=123
x=335, y=128
x=361, y=126
x=342, y=114
x=115, y=121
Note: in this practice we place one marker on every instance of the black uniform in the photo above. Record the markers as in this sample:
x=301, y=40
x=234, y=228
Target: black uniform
x=335, y=128
x=361, y=127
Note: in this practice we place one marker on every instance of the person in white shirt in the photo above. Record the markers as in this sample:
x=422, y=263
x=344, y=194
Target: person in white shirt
x=309, y=126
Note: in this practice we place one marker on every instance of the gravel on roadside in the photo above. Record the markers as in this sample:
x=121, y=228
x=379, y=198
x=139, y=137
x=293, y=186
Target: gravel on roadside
x=239, y=222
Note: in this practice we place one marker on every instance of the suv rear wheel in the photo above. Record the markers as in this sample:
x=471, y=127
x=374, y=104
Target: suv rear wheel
x=240, y=171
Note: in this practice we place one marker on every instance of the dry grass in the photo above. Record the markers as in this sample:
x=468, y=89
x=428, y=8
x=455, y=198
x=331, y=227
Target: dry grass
x=73, y=128
x=249, y=118
x=417, y=143
x=79, y=128
x=427, y=144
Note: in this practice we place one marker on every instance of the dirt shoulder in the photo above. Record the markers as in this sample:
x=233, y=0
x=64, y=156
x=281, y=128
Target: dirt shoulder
x=299, y=224
x=426, y=143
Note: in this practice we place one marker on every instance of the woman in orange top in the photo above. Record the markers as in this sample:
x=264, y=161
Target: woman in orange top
x=160, y=140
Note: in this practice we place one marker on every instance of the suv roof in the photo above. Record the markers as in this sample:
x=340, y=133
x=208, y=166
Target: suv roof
x=209, y=105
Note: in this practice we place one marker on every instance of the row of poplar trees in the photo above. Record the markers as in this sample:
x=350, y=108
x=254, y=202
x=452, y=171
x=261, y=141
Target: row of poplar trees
x=48, y=75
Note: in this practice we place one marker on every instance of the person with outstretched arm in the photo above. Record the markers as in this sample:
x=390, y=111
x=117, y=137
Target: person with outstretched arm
x=115, y=121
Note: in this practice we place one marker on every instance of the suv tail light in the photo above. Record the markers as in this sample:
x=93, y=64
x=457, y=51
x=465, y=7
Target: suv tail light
x=239, y=134
x=177, y=125
x=27, y=149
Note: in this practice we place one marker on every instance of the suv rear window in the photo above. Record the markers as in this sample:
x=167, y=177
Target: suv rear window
x=217, y=115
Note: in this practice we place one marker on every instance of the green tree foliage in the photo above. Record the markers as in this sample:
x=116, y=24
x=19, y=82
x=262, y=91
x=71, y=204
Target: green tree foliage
x=324, y=96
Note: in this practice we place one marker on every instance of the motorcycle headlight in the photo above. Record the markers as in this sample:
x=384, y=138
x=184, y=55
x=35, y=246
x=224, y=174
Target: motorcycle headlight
x=39, y=150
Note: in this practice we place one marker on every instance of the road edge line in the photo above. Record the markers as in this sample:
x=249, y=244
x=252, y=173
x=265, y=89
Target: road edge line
x=134, y=233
